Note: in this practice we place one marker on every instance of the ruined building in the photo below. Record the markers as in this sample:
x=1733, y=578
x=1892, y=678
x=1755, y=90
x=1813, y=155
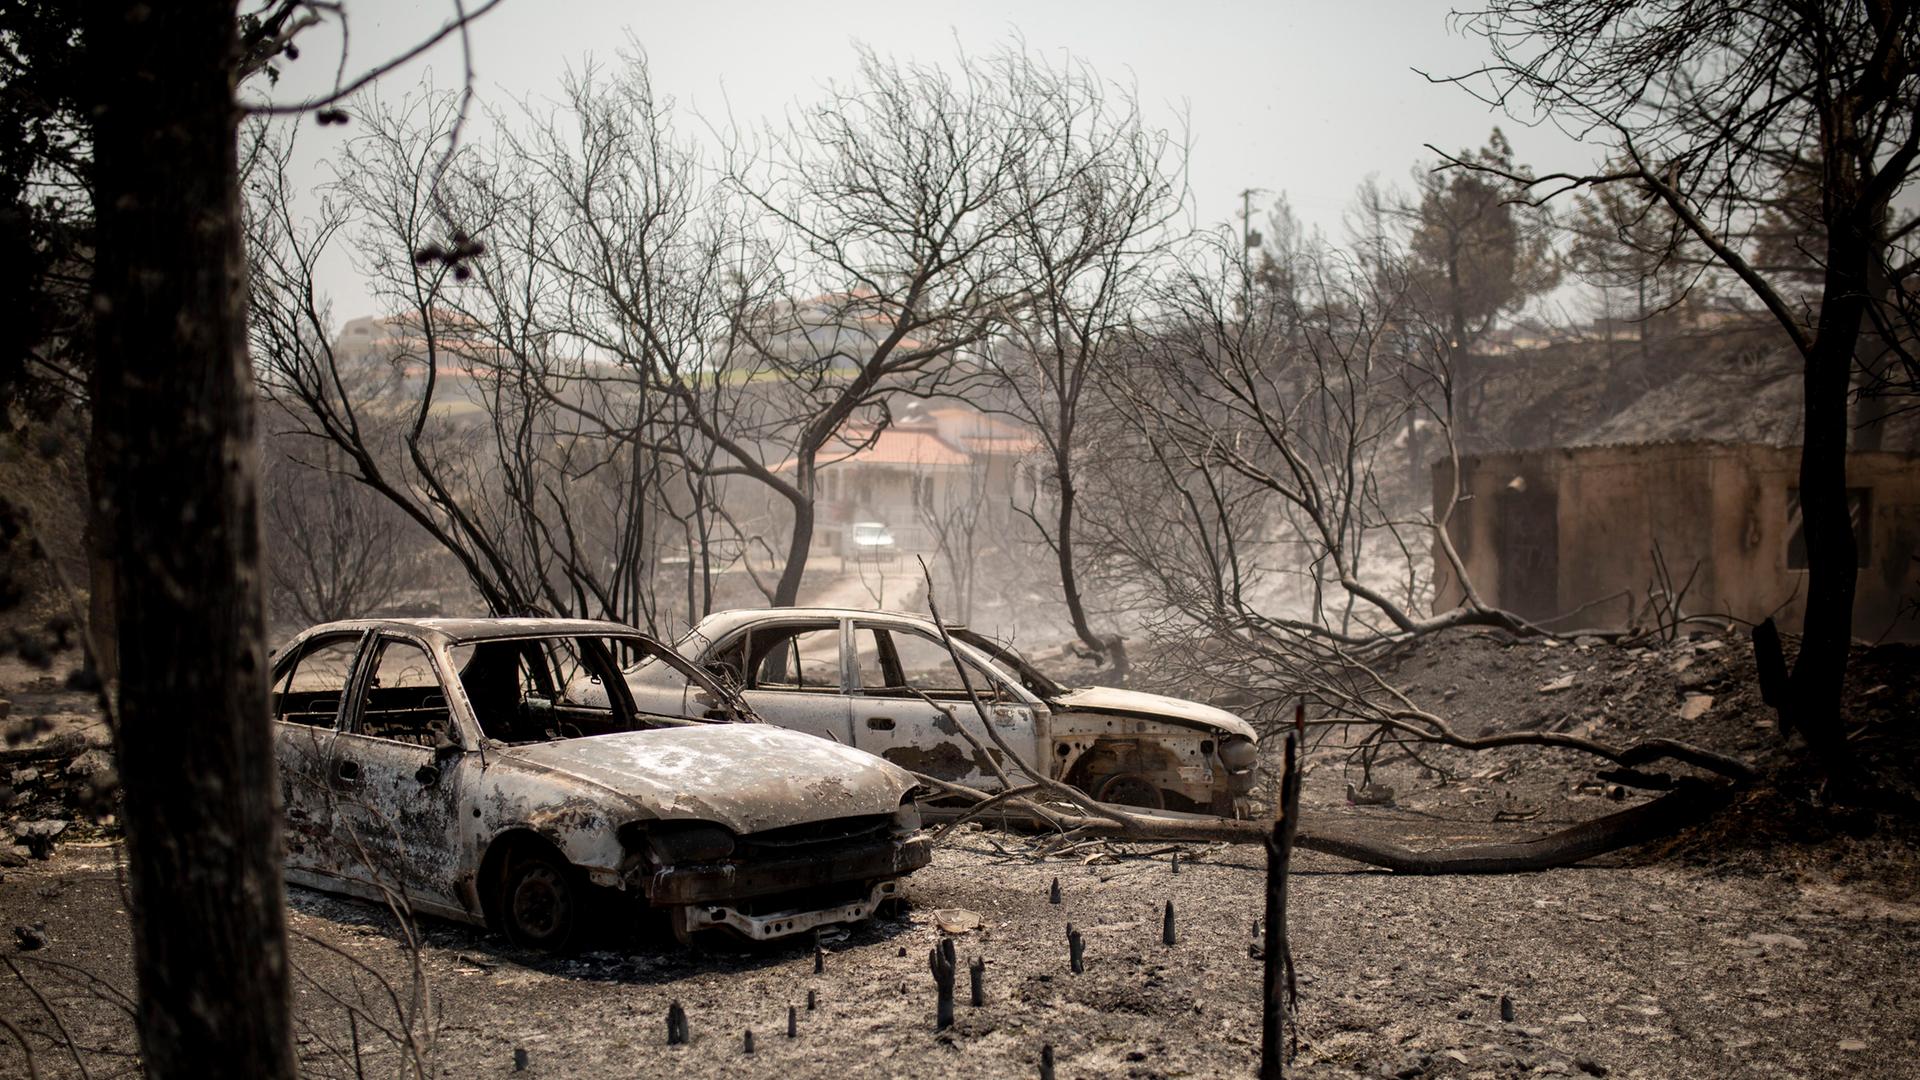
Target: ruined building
x=1695, y=456
x=1570, y=533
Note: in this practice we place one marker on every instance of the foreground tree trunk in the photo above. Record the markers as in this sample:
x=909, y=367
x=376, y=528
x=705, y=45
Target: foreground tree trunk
x=1820, y=670
x=177, y=475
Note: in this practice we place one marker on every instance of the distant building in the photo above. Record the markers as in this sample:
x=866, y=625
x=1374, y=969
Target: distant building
x=932, y=470
x=1569, y=533
x=398, y=340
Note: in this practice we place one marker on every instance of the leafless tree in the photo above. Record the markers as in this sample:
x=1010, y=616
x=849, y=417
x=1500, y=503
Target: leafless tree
x=1245, y=500
x=482, y=414
x=901, y=197
x=1267, y=413
x=1714, y=108
x=953, y=508
x=388, y=412
x=651, y=349
x=1091, y=255
x=617, y=282
x=334, y=548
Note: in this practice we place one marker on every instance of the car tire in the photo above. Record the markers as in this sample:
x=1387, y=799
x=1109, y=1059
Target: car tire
x=1130, y=789
x=542, y=900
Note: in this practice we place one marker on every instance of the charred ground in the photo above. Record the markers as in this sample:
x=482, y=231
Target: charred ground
x=1778, y=939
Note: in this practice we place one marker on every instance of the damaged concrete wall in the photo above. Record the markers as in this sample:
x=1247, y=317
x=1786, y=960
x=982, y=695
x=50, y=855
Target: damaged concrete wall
x=1549, y=532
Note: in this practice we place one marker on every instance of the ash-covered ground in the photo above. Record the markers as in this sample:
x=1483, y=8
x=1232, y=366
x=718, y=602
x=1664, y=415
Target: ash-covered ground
x=1777, y=940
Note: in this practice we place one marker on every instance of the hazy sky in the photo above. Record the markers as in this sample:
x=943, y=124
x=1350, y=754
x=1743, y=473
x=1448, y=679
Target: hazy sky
x=1306, y=99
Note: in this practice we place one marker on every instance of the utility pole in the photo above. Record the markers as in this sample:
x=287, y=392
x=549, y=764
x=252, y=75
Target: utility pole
x=1249, y=239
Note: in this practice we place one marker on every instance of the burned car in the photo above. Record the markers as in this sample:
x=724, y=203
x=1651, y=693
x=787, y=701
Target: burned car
x=863, y=679
x=496, y=771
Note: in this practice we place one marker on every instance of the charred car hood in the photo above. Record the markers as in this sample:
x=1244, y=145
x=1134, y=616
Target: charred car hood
x=747, y=777
x=1106, y=699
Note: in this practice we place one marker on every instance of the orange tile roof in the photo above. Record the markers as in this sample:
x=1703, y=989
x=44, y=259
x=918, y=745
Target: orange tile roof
x=996, y=444
x=894, y=446
x=897, y=446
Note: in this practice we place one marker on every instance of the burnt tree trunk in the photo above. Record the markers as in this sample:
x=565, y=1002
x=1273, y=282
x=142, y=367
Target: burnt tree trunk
x=1820, y=669
x=1879, y=361
x=1419, y=470
x=1277, y=978
x=178, y=494
x=800, y=540
x=1069, y=578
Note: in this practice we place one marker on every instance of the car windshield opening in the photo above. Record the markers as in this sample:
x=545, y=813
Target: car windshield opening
x=1035, y=680
x=543, y=689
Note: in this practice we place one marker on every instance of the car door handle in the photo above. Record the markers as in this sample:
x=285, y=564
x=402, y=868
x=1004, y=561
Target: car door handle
x=347, y=773
x=880, y=723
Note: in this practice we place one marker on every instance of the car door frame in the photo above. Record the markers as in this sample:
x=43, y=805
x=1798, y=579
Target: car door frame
x=307, y=802
x=916, y=732
x=424, y=842
x=833, y=710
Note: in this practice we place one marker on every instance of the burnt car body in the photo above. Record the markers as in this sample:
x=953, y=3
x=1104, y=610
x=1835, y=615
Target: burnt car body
x=496, y=771
x=857, y=677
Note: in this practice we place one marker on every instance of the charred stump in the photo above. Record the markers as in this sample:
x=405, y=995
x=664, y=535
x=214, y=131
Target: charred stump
x=941, y=960
x=677, y=1034
x=1278, y=990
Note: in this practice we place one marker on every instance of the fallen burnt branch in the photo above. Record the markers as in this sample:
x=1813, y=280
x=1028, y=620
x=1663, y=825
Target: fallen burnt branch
x=1689, y=803
x=1426, y=727
x=1348, y=688
x=1364, y=696
x=1409, y=719
x=1686, y=805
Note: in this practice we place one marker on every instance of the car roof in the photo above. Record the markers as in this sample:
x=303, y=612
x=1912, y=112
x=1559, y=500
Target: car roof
x=725, y=622
x=457, y=631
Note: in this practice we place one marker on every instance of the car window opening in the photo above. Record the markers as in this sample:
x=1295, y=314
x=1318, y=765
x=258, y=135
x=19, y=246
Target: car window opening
x=533, y=690
x=404, y=701
x=908, y=665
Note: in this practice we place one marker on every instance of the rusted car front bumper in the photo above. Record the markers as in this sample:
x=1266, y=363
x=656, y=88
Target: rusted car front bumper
x=766, y=926
x=775, y=896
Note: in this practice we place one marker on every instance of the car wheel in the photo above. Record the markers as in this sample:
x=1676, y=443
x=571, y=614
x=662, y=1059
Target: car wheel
x=1129, y=789
x=541, y=900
